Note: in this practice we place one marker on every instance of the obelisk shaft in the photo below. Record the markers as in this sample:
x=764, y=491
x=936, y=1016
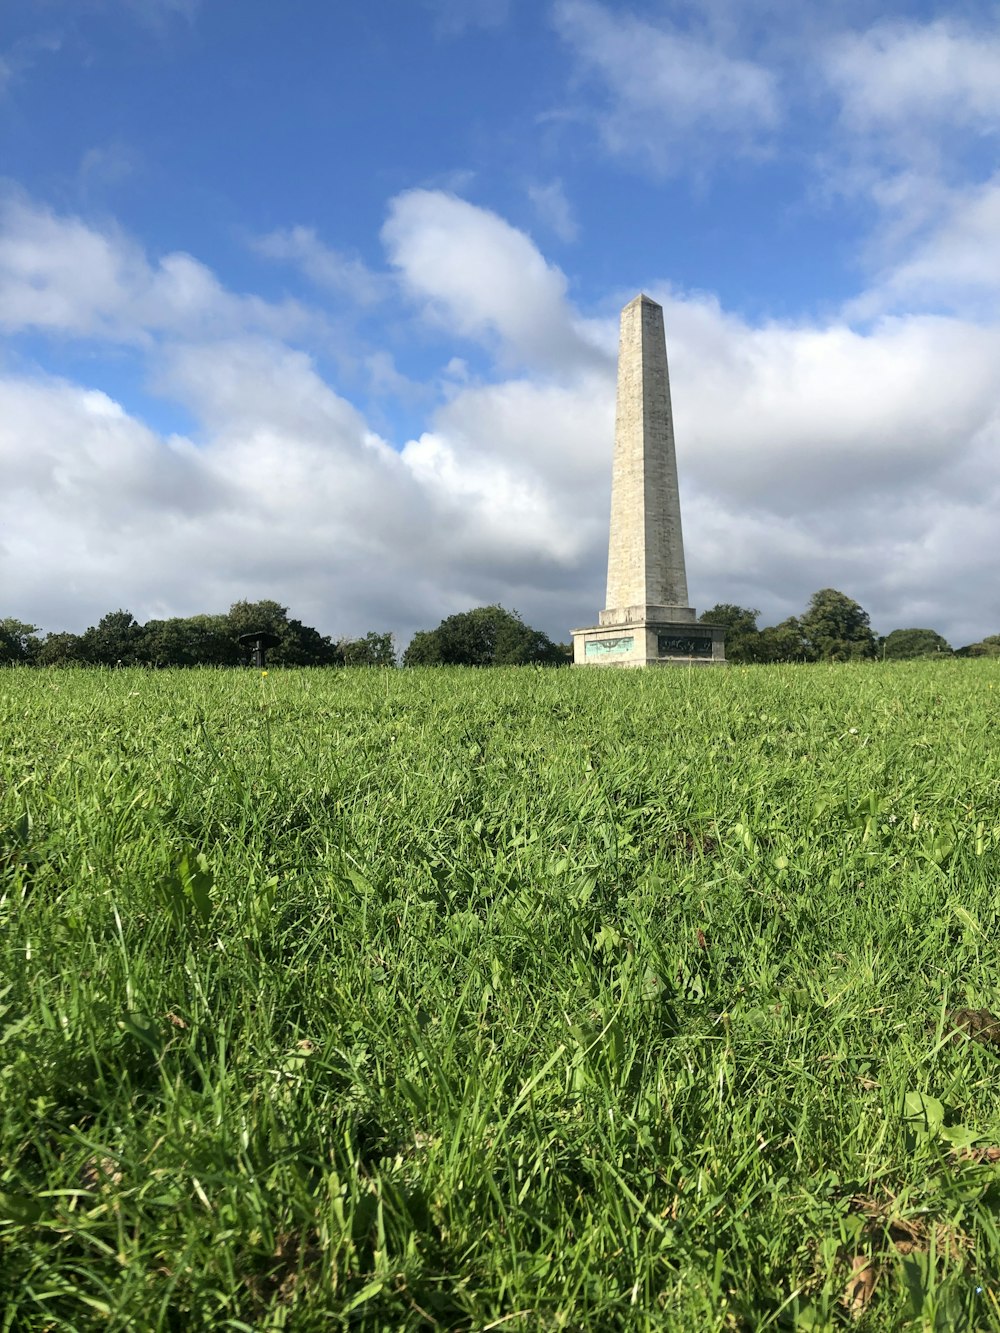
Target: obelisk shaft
x=646, y=547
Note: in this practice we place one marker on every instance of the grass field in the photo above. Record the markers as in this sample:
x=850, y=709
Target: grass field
x=504, y=999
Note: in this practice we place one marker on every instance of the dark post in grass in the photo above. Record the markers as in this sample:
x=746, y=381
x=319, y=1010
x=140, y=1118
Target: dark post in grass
x=257, y=642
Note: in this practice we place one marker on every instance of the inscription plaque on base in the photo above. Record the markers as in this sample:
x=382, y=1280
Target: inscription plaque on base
x=677, y=645
x=604, y=647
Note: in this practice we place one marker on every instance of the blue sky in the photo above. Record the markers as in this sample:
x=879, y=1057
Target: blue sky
x=319, y=302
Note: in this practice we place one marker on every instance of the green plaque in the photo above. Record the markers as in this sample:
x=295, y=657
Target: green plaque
x=609, y=647
x=683, y=645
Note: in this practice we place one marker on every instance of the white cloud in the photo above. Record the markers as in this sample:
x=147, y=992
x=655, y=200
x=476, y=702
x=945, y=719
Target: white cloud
x=329, y=269
x=526, y=465
x=906, y=77
x=479, y=277
x=800, y=419
x=62, y=275
x=291, y=503
x=94, y=462
x=290, y=495
x=919, y=124
x=954, y=266
x=671, y=95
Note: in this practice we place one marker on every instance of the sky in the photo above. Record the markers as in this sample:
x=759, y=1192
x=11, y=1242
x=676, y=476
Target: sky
x=318, y=302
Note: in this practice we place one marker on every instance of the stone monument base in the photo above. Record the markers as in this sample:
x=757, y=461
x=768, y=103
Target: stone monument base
x=639, y=636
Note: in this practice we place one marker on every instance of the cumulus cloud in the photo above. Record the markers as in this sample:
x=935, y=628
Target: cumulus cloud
x=296, y=501
x=954, y=265
x=94, y=462
x=666, y=89
x=919, y=118
x=472, y=273
x=290, y=495
x=61, y=274
x=907, y=76
x=839, y=416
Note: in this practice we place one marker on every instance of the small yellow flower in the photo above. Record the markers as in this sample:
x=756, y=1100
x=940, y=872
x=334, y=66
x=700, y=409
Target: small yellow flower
x=263, y=674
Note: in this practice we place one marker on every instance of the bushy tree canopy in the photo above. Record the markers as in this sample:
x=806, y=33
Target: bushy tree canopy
x=836, y=628
x=18, y=641
x=907, y=643
x=61, y=649
x=116, y=640
x=740, y=624
x=784, y=642
x=988, y=647
x=376, y=650
x=298, y=644
x=191, y=641
x=485, y=636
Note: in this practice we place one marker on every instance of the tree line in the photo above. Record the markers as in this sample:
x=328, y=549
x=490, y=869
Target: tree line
x=834, y=628
x=204, y=640
x=485, y=636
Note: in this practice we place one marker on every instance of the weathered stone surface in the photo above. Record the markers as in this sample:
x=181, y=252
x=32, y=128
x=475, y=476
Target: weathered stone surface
x=646, y=546
x=647, y=621
x=627, y=615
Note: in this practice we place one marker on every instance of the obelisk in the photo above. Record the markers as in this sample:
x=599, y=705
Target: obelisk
x=646, y=620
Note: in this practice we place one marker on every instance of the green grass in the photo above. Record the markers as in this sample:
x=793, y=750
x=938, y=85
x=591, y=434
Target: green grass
x=509, y=999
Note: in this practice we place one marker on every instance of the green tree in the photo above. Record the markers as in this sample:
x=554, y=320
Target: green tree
x=62, y=649
x=836, y=628
x=116, y=640
x=298, y=644
x=375, y=650
x=906, y=643
x=19, y=642
x=243, y=617
x=190, y=641
x=424, y=649
x=988, y=647
x=485, y=636
x=742, y=634
x=301, y=645
x=784, y=643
